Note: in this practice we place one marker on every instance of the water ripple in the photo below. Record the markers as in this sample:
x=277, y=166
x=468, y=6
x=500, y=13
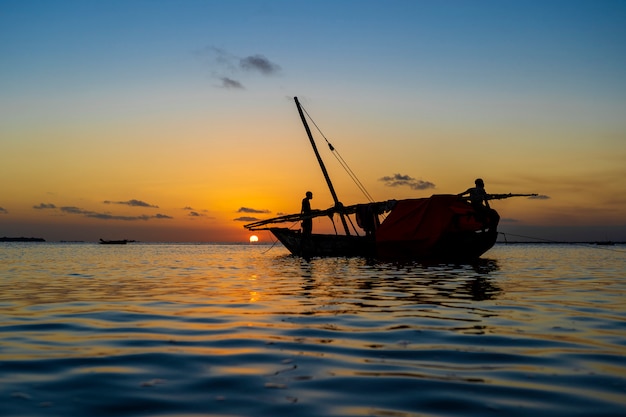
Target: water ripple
x=197, y=330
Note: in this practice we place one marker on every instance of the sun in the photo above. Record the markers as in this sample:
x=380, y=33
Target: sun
x=254, y=238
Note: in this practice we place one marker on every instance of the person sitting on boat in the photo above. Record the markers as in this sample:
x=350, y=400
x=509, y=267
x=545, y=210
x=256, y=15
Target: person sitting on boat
x=477, y=195
x=479, y=199
x=307, y=224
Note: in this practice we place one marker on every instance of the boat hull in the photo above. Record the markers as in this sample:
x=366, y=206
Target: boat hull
x=114, y=242
x=459, y=246
x=324, y=245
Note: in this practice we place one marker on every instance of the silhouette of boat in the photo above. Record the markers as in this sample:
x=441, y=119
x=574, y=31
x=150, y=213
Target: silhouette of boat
x=115, y=242
x=440, y=227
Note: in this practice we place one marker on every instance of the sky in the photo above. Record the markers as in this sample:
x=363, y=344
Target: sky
x=174, y=121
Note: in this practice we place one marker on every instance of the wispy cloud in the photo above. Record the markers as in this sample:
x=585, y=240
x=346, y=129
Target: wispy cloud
x=508, y=220
x=245, y=219
x=399, y=180
x=44, y=206
x=108, y=216
x=228, y=67
x=73, y=210
x=196, y=213
x=3, y=210
x=251, y=210
x=132, y=203
x=259, y=63
x=230, y=83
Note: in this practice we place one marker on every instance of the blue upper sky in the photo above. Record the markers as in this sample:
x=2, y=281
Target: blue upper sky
x=496, y=45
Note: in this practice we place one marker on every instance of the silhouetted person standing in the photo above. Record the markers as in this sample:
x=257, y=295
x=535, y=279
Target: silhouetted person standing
x=307, y=224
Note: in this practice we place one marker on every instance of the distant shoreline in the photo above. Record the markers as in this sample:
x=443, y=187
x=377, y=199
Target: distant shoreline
x=599, y=243
x=22, y=239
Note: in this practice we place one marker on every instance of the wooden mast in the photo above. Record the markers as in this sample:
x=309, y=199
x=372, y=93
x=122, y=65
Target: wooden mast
x=338, y=204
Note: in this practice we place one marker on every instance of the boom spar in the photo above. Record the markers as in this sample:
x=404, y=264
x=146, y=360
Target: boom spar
x=503, y=196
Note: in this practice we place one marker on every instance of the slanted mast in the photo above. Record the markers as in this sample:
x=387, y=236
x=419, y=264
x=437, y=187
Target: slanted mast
x=338, y=204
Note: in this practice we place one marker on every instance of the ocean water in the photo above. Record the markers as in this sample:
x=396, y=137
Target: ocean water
x=247, y=330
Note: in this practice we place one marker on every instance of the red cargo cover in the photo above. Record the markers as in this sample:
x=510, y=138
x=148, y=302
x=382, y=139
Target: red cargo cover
x=424, y=220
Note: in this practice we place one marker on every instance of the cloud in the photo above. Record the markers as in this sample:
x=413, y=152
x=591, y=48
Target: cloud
x=217, y=57
x=246, y=219
x=539, y=197
x=132, y=203
x=399, y=180
x=196, y=213
x=44, y=206
x=108, y=216
x=251, y=210
x=508, y=220
x=230, y=83
x=73, y=210
x=259, y=63
x=3, y=210
x=227, y=67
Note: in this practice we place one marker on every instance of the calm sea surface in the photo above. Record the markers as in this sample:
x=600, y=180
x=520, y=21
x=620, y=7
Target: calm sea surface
x=242, y=330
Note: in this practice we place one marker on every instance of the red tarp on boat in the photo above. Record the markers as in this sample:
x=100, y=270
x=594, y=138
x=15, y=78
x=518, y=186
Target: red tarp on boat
x=424, y=220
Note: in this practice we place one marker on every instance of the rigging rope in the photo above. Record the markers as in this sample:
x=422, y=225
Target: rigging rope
x=342, y=162
x=271, y=247
x=595, y=246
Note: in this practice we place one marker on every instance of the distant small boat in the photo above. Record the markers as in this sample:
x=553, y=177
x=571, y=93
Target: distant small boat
x=115, y=242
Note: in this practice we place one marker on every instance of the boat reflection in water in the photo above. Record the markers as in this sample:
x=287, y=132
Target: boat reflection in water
x=355, y=284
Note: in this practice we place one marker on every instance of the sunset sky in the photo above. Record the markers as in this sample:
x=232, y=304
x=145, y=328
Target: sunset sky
x=174, y=120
